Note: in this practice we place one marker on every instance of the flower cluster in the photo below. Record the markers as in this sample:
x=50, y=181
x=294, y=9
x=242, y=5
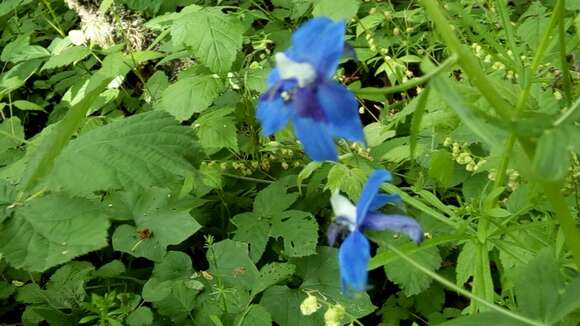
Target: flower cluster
x=301, y=90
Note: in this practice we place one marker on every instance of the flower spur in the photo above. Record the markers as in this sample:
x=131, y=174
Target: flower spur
x=302, y=91
x=354, y=252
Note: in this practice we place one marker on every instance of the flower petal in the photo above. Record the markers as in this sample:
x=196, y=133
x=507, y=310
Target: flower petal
x=273, y=114
x=320, y=42
x=340, y=108
x=381, y=200
x=315, y=138
x=353, y=259
x=369, y=193
x=342, y=207
x=398, y=223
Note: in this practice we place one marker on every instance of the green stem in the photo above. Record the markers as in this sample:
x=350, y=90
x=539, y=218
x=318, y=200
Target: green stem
x=563, y=61
x=463, y=292
x=567, y=221
x=468, y=62
x=411, y=83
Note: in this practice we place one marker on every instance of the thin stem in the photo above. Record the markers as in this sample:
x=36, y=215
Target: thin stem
x=563, y=61
x=411, y=83
x=461, y=291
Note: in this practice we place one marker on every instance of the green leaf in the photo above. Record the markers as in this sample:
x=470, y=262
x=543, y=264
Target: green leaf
x=144, y=150
x=466, y=262
x=229, y=259
x=65, y=289
x=411, y=280
x=254, y=230
x=52, y=230
x=299, y=231
x=67, y=57
x=142, y=316
x=341, y=177
x=257, y=316
x=274, y=199
x=155, y=86
x=111, y=269
x=160, y=221
x=336, y=9
x=17, y=76
x=216, y=129
x=171, y=287
x=6, y=289
x=552, y=159
x=20, y=50
x=541, y=299
x=27, y=106
x=569, y=301
x=11, y=134
x=214, y=37
x=441, y=167
x=271, y=274
x=376, y=133
x=189, y=95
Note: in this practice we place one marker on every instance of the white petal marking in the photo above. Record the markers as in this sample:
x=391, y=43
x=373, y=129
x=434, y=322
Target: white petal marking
x=304, y=73
x=344, y=208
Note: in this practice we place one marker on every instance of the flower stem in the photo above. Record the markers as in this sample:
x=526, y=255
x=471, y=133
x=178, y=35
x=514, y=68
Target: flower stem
x=411, y=83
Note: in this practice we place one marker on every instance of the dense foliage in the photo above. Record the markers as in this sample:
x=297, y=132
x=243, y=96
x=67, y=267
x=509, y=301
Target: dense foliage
x=136, y=186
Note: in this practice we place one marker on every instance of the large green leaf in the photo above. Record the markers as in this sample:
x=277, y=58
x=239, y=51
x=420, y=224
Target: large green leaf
x=20, y=50
x=409, y=278
x=541, y=299
x=146, y=149
x=189, y=95
x=52, y=230
x=299, y=231
x=230, y=261
x=66, y=57
x=216, y=129
x=214, y=38
x=160, y=221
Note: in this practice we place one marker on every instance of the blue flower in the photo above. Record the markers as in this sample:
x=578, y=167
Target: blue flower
x=302, y=91
x=354, y=252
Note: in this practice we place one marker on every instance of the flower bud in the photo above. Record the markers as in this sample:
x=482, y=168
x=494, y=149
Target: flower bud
x=334, y=315
x=309, y=306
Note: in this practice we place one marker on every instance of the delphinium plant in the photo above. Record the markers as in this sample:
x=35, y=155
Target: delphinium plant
x=328, y=162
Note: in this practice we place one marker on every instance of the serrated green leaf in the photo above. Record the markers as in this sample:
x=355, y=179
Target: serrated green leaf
x=52, y=230
x=466, y=262
x=216, y=129
x=189, y=95
x=229, y=259
x=271, y=274
x=160, y=222
x=411, y=280
x=336, y=9
x=254, y=230
x=144, y=150
x=441, y=167
x=299, y=231
x=274, y=199
x=66, y=57
x=214, y=38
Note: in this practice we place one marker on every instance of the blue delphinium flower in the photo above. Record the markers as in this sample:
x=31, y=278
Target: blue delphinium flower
x=302, y=91
x=354, y=252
